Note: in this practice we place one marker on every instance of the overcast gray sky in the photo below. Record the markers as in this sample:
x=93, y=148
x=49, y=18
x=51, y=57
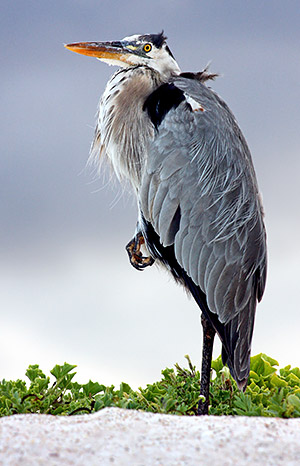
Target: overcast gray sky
x=67, y=290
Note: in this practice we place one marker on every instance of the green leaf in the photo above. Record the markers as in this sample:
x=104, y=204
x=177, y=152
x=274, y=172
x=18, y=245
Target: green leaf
x=126, y=388
x=296, y=371
x=261, y=365
x=253, y=376
x=91, y=388
x=285, y=371
x=34, y=372
x=217, y=364
x=277, y=381
x=294, y=400
x=61, y=371
x=293, y=379
x=271, y=361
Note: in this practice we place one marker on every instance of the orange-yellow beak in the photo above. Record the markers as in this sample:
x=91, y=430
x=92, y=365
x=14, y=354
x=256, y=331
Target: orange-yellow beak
x=106, y=50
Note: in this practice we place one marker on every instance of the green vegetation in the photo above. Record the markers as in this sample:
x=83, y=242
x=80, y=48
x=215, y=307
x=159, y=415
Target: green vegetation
x=269, y=392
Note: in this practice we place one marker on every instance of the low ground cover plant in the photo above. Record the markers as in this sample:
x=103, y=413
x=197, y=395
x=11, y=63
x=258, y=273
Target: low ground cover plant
x=270, y=392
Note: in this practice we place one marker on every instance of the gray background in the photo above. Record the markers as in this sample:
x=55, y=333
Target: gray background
x=67, y=290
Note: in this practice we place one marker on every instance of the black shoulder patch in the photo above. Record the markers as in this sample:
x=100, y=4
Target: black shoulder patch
x=161, y=101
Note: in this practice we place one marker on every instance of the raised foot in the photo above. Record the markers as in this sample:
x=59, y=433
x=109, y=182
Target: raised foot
x=133, y=248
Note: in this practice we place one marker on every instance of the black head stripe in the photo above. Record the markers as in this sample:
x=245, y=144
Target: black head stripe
x=156, y=39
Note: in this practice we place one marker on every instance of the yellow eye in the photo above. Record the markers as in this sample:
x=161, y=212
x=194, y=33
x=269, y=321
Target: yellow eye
x=147, y=48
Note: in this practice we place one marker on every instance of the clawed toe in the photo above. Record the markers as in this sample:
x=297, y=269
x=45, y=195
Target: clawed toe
x=133, y=248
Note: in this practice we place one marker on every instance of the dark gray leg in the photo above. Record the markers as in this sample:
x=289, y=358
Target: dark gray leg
x=208, y=343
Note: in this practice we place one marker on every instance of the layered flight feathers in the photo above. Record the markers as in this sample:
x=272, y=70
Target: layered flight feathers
x=192, y=171
x=199, y=191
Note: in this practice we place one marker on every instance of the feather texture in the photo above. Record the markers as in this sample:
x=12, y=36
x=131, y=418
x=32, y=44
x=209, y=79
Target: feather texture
x=200, y=212
x=201, y=163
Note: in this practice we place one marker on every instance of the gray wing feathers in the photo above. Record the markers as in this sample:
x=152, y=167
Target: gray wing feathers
x=196, y=248
x=158, y=200
x=200, y=193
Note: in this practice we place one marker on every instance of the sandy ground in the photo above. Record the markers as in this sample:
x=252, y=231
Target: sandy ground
x=123, y=437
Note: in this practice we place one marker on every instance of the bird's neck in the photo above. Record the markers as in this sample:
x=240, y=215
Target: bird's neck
x=123, y=128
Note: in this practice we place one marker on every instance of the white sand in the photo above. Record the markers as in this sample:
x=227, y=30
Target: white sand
x=124, y=437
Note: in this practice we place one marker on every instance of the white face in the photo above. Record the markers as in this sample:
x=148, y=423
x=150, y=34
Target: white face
x=141, y=52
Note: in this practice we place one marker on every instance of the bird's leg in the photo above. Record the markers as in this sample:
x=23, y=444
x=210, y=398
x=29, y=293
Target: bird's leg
x=208, y=343
x=133, y=248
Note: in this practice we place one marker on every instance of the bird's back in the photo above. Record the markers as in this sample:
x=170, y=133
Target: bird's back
x=202, y=213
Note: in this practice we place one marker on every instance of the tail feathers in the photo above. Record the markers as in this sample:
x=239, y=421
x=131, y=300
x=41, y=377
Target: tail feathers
x=236, y=339
x=240, y=376
x=235, y=335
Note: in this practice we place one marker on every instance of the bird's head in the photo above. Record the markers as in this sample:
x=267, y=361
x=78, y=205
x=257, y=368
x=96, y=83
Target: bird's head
x=149, y=50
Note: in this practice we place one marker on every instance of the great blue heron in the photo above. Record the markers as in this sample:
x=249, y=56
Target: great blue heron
x=200, y=213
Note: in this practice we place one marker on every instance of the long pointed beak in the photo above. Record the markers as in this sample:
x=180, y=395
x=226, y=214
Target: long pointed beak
x=107, y=50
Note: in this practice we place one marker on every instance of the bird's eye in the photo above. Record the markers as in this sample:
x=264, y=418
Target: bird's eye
x=147, y=48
